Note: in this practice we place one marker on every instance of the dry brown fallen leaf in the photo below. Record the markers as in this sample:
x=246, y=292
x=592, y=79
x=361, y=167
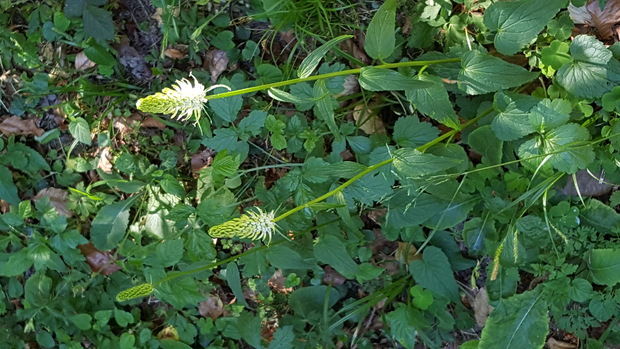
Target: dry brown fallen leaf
x=202, y=160
x=15, y=125
x=604, y=21
x=58, y=199
x=174, y=53
x=366, y=117
x=278, y=283
x=216, y=61
x=105, y=159
x=213, y=307
x=82, y=62
x=553, y=343
x=121, y=125
x=332, y=277
x=99, y=261
x=482, y=309
x=406, y=253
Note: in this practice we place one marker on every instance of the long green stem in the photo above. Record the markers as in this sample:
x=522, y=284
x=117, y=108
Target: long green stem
x=378, y=165
x=327, y=76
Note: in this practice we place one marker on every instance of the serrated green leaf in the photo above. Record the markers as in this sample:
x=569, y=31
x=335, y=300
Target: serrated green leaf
x=482, y=73
x=169, y=252
x=226, y=108
x=17, y=264
x=434, y=273
x=98, y=23
x=520, y=321
x=512, y=120
x=413, y=163
x=381, y=79
x=404, y=322
x=587, y=75
x=283, y=338
x=250, y=329
x=380, y=40
x=433, y=101
x=409, y=132
x=74, y=8
x=80, y=130
x=518, y=23
x=580, y=290
x=309, y=64
x=331, y=250
x=110, y=224
x=549, y=114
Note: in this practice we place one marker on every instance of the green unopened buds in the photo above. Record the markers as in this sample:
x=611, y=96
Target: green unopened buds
x=252, y=225
x=135, y=292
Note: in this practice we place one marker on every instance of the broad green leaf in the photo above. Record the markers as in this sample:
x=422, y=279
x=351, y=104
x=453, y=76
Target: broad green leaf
x=446, y=213
x=381, y=79
x=17, y=263
x=82, y=321
x=433, y=101
x=512, y=121
x=8, y=190
x=226, y=108
x=413, y=163
x=409, y=132
x=37, y=290
x=285, y=258
x=549, y=114
x=309, y=64
x=332, y=251
x=380, y=40
x=600, y=216
x=518, y=322
x=286, y=97
x=602, y=308
x=80, y=130
x=169, y=252
x=604, y=266
x=422, y=298
x=589, y=74
x=123, y=318
x=99, y=55
x=580, y=290
x=234, y=282
x=565, y=146
x=518, y=23
x=173, y=344
x=312, y=299
x=283, y=338
x=611, y=100
x=434, y=273
x=482, y=73
x=110, y=224
x=98, y=23
x=250, y=329
x=556, y=54
x=74, y=8
x=45, y=339
x=484, y=141
x=404, y=322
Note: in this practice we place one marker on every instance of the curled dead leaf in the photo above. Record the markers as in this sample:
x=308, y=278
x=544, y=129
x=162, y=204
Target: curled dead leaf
x=122, y=126
x=58, y=199
x=15, y=125
x=603, y=20
x=482, y=309
x=213, y=307
x=217, y=62
x=154, y=123
x=105, y=159
x=553, y=343
x=82, y=62
x=367, y=118
x=99, y=261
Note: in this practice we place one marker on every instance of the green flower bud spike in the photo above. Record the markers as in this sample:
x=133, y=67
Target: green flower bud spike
x=135, y=292
x=183, y=101
x=252, y=225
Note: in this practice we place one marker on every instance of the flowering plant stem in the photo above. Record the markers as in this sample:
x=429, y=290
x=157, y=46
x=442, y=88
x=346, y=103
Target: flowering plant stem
x=329, y=75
